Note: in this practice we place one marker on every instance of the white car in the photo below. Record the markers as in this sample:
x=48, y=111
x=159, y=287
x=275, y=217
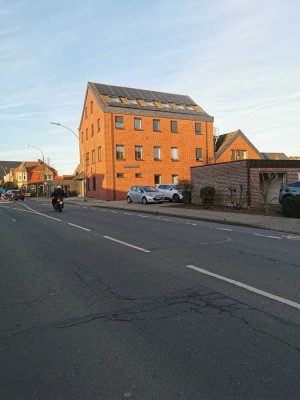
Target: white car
x=171, y=191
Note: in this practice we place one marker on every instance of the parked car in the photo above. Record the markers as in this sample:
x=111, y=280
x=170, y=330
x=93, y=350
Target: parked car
x=289, y=190
x=15, y=195
x=144, y=194
x=171, y=192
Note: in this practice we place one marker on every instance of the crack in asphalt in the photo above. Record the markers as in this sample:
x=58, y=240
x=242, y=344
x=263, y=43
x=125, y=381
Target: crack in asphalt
x=199, y=303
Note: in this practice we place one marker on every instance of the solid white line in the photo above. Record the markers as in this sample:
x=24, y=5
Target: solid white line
x=272, y=237
x=224, y=229
x=127, y=244
x=30, y=210
x=80, y=227
x=250, y=288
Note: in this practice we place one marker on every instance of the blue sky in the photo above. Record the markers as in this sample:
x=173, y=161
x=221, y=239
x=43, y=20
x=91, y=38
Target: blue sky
x=239, y=60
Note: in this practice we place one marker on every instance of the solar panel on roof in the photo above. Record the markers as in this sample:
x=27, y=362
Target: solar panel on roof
x=144, y=94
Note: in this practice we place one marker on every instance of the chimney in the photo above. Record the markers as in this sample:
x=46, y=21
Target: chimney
x=216, y=137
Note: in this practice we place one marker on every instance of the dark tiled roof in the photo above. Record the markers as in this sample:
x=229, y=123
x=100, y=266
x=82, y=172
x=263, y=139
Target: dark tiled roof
x=275, y=156
x=7, y=165
x=142, y=94
x=223, y=139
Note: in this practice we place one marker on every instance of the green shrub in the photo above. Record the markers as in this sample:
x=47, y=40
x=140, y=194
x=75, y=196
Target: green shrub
x=207, y=194
x=291, y=206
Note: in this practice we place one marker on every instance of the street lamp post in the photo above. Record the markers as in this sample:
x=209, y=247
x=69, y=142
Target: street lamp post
x=43, y=158
x=77, y=137
x=34, y=147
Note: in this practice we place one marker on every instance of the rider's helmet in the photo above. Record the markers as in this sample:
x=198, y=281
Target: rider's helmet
x=58, y=187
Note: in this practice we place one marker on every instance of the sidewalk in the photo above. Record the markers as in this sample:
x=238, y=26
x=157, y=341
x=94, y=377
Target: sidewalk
x=281, y=224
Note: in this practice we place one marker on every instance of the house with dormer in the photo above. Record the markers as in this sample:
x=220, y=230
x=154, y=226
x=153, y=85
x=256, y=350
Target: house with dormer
x=235, y=146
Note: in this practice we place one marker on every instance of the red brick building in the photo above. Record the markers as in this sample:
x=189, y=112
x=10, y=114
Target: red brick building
x=132, y=136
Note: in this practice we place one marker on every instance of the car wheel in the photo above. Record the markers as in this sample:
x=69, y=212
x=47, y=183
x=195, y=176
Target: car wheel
x=144, y=200
x=129, y=199
x=176, y=198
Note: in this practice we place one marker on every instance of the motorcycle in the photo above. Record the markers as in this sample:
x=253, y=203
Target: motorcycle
x=59, y=204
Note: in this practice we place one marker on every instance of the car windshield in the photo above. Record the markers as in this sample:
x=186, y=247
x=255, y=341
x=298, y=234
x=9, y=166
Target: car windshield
x=176, y=187
x=149, y=189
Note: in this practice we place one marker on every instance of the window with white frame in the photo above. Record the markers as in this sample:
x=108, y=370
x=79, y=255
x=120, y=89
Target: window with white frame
x=150, y=103
x=174, y=153
x=138, y=152
x=157, y=153
x=115, y=99
x=120, y=152
x=132, y=101
x=119, y=122
x=175, y=179
x=137, y=124
x=199, y=154
x=157, y=179
x=156, y=125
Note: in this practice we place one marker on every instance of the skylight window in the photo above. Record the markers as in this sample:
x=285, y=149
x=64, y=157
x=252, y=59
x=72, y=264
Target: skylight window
x=115, y=99
x=190, y=108
x=150, y=103
x=166, y=105
x=132, y=101
x=180, y=106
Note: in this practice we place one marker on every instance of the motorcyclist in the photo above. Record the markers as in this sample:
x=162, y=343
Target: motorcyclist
x=58, y=192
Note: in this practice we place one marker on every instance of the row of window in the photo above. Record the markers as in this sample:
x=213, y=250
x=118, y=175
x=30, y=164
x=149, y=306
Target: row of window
x=151, y=103
x=116, y=99
x=157, y=180
x=137, y=125
x=156, y=125
x=120, y=154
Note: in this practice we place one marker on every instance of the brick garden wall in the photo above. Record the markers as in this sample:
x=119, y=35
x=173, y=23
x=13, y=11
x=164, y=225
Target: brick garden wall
x=221, y=177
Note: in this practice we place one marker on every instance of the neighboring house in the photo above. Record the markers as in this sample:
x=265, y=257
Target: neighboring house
x=131, y=136
x=275, y=156
x=35, y=176
x=234, y=146
x=250, y=174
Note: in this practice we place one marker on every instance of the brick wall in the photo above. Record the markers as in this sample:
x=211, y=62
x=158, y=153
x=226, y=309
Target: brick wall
x=233, y=174
x=221, y=177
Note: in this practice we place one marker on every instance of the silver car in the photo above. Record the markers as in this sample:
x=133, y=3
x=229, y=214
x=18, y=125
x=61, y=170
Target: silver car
x=289, y=190
x=171, y=191
x=144, y=194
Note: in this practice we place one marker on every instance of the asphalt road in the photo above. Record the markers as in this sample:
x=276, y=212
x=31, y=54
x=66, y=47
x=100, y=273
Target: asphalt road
x=106, y=304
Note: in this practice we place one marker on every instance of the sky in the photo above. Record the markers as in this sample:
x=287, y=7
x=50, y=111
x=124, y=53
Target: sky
x=238, y=59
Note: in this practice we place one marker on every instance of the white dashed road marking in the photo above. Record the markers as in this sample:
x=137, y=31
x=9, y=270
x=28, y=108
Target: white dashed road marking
x=267, y=236
x=247, y=287
x=224, y=229
x=80, y=227
x=127, y=244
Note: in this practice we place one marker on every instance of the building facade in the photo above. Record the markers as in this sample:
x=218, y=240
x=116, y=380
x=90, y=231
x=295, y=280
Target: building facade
x=140, y=137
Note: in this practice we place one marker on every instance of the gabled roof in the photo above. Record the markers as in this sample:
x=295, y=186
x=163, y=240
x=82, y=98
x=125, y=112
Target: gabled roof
x=6, y=166
x=224, y=141
x=104, y=93
x=275, y=156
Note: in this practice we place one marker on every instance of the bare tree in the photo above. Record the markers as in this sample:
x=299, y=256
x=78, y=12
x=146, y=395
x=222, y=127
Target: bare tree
x=238, y=197
x=266, y=179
